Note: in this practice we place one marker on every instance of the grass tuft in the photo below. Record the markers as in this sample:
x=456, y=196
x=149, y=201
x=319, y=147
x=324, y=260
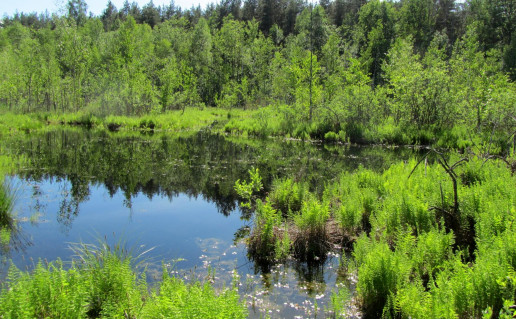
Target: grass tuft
x=103, y=282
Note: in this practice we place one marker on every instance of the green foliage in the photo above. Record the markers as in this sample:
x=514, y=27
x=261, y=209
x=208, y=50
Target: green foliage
x=174, y=299
x=311, y=242
x=265, y=242
x=246, y=190
x=50, y=291
x=282, y=247
x=287, y=196
x=112, y=286
x=303, y=71
x=6, y=206
x=415, y=72
x=380, y=274
x=413, y=256
x=312, y=217
x=8, y=224
x=339, y=301
x=104, y=282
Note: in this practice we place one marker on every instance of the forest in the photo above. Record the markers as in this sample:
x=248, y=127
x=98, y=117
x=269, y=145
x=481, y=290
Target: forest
x=404, y=72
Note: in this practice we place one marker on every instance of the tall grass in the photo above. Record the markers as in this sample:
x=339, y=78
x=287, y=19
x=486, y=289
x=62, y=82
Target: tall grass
x=8, y=225
x=6, y=207
x=171, y=121
x=104, y=283
x=423, y=249
x=267, y=233
x=312, y=242
x=287, y=195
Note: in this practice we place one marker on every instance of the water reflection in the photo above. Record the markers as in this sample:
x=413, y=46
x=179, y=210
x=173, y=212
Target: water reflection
x=164, y=192
x=204, y=164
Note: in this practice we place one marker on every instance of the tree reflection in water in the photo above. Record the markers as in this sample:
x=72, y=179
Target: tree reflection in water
x=199, y=164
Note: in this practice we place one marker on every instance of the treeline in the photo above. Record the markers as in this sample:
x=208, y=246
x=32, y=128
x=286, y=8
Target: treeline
x=344, y=64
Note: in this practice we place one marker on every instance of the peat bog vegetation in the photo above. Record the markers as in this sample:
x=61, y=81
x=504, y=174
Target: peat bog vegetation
x=349, y=158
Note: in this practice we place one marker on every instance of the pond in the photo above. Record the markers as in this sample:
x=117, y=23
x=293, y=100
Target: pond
x=172, y=198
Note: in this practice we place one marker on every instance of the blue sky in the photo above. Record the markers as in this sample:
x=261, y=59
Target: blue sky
x=9, y=7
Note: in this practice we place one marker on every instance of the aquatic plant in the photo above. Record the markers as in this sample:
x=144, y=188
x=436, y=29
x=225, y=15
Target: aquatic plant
x=6, y=207
x=172, y=298
x=266, y=232
x=380, y=274
x=9, y=229
x=287, y=195
x=104, y=282
x=311, y=241
x=246, y=190
x=434, y=240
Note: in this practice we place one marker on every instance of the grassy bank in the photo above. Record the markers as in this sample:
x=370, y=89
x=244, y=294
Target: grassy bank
x=277, y=121
x=283, y=121
x=8, y=221
x=108, y=282
x=427, y=240
x=192, y=119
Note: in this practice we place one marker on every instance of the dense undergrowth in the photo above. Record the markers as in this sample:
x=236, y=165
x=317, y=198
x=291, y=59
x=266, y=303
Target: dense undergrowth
x=108, y=282
x=427, y=240
x=280, y=121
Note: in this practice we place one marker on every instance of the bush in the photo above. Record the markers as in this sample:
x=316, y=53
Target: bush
x=331, y=137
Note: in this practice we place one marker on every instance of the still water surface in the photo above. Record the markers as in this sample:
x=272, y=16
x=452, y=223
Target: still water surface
x=175, y=194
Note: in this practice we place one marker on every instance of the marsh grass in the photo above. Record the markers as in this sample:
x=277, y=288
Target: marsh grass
x=9, y=228
x=115, y=280
x=6, y=207
x=172, y=298
x=311, y=241
x=266, y=234
x=308, y=235
x=287, y=196
x=172, y=121
x=105, y=282
x=421, y=249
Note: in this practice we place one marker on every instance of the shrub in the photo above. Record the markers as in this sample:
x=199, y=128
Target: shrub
x=331, y=137
x=246, y=190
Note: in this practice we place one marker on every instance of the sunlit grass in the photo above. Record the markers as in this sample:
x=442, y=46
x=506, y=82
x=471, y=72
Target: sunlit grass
x=415, y=253
x=105, y=282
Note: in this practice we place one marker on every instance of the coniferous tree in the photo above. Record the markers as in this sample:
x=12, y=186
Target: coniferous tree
x=109, y=17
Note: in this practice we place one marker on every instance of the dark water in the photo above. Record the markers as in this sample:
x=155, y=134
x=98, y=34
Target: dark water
x=175, y=194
